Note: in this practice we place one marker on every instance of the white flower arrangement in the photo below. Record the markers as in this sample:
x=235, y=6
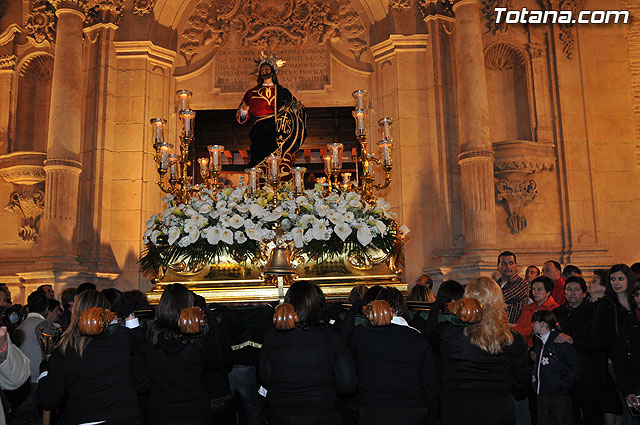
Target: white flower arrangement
x=233, y=221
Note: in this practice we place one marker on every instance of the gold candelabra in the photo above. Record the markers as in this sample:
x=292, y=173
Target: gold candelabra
x=367, y=160
x=172, y=168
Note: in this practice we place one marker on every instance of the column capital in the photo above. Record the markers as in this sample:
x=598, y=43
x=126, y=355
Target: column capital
x=77, y=5
x=458, y=3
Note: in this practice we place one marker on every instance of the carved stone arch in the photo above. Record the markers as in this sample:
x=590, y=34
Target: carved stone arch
x=509, y=92
x=501, y=56
x=34, y=76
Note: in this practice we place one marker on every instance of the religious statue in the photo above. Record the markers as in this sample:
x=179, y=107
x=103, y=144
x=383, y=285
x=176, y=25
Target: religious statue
x=279, y=119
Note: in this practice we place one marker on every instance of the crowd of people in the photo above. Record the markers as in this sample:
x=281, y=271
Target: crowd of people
x=546, y=348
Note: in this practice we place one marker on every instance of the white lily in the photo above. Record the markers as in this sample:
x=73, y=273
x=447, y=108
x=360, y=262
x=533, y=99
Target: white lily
x=227, y=236
x=174, y=234
x=298, y=237
x=364, y=235
x=212, y=234
x=343, y=230
x=236, y=221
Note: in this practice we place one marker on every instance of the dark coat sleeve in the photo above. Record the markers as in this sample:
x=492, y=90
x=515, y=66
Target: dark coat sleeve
x=344, y=370
x=430, y=381
x=52, y=387
x=520, y=370
x=265, y=360
x=573, y=365
x=619, y=358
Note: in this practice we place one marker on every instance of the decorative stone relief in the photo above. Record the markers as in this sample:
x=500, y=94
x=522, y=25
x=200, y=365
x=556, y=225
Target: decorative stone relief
x=502, y=57
x=41, y=22
x=431, y=8
x=517, y=194
x=104, y=11
x=270, y=24
x=143, y=7
x=489, y=12
x=400, y=5
x=8, y=62
x=516, y=162
x=30, y=204
x=536, y=50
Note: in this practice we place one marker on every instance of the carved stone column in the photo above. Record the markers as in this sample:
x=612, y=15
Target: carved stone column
x=476, y=155
x=62, y=166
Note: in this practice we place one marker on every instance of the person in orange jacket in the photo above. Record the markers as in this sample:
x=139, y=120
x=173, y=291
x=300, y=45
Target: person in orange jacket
x=541, y=289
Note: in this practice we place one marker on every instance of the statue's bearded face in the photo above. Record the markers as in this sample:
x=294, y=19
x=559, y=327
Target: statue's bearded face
x=266, y=71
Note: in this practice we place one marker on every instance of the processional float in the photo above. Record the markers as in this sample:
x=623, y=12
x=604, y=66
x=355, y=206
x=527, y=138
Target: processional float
x=249, y=243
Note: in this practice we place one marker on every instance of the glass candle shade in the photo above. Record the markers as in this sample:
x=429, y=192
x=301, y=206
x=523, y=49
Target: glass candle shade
x=158, y=125
x=298, y=179
x=370, y=161
x=346, y=178
x=327, y=165
x=273, y=162
x=359, y=115
x=183, y=99
x=162, y=150
x=360, y=96
x=187, y=116
x=334, y=150
x=253, y=174
x=215, y=157
x=174, y=168
x=385, y=151
x=385, y=123
x=204, y=167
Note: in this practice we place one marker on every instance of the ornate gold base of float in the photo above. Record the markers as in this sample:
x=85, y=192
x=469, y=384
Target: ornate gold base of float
x=230, y=282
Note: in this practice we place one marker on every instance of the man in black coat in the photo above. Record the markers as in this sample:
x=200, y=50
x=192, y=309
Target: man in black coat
x=575, y=318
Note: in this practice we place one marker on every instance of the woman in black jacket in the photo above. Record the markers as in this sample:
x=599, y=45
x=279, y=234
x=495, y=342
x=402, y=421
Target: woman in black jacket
x=397, y=375
x=179, y=367
x=92, y=375
x=482, y=362
x=306, y=367
x=626, y=356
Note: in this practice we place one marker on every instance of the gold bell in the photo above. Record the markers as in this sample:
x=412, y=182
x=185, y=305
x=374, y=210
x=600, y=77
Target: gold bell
x=279, y=263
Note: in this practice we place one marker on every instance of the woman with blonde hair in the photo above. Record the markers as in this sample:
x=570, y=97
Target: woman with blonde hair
x=91, y=375
x=481, y=361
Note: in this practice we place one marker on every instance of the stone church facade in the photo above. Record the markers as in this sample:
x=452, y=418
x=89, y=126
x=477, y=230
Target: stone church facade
x=519, y=137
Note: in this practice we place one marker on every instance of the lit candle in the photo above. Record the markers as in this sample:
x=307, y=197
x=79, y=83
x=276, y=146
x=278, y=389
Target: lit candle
x=370, y=164
x=158, y=130
x=385, y=147
x=183, y=99
x=327, y=165
x=360, y=97
x=345, y=178
x=215, y=153
x=385, y=123
x=253, y=179
x=359, y=115
x=204, y=167
x=164, y=155
x=173, y=167
x=335, y=150
x=298, y=179
x=187, y=117
x=274, y=167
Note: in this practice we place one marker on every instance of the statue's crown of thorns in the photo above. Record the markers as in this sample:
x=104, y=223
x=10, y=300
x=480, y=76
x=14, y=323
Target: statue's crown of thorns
x=271, y=60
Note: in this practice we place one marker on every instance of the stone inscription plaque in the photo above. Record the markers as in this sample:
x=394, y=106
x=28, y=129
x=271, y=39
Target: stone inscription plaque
x=306, y=68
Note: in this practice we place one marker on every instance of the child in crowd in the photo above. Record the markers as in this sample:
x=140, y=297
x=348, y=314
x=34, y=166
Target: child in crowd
x=556, y=369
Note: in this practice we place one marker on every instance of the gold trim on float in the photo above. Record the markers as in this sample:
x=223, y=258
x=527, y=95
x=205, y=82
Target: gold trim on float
x=255, y=290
